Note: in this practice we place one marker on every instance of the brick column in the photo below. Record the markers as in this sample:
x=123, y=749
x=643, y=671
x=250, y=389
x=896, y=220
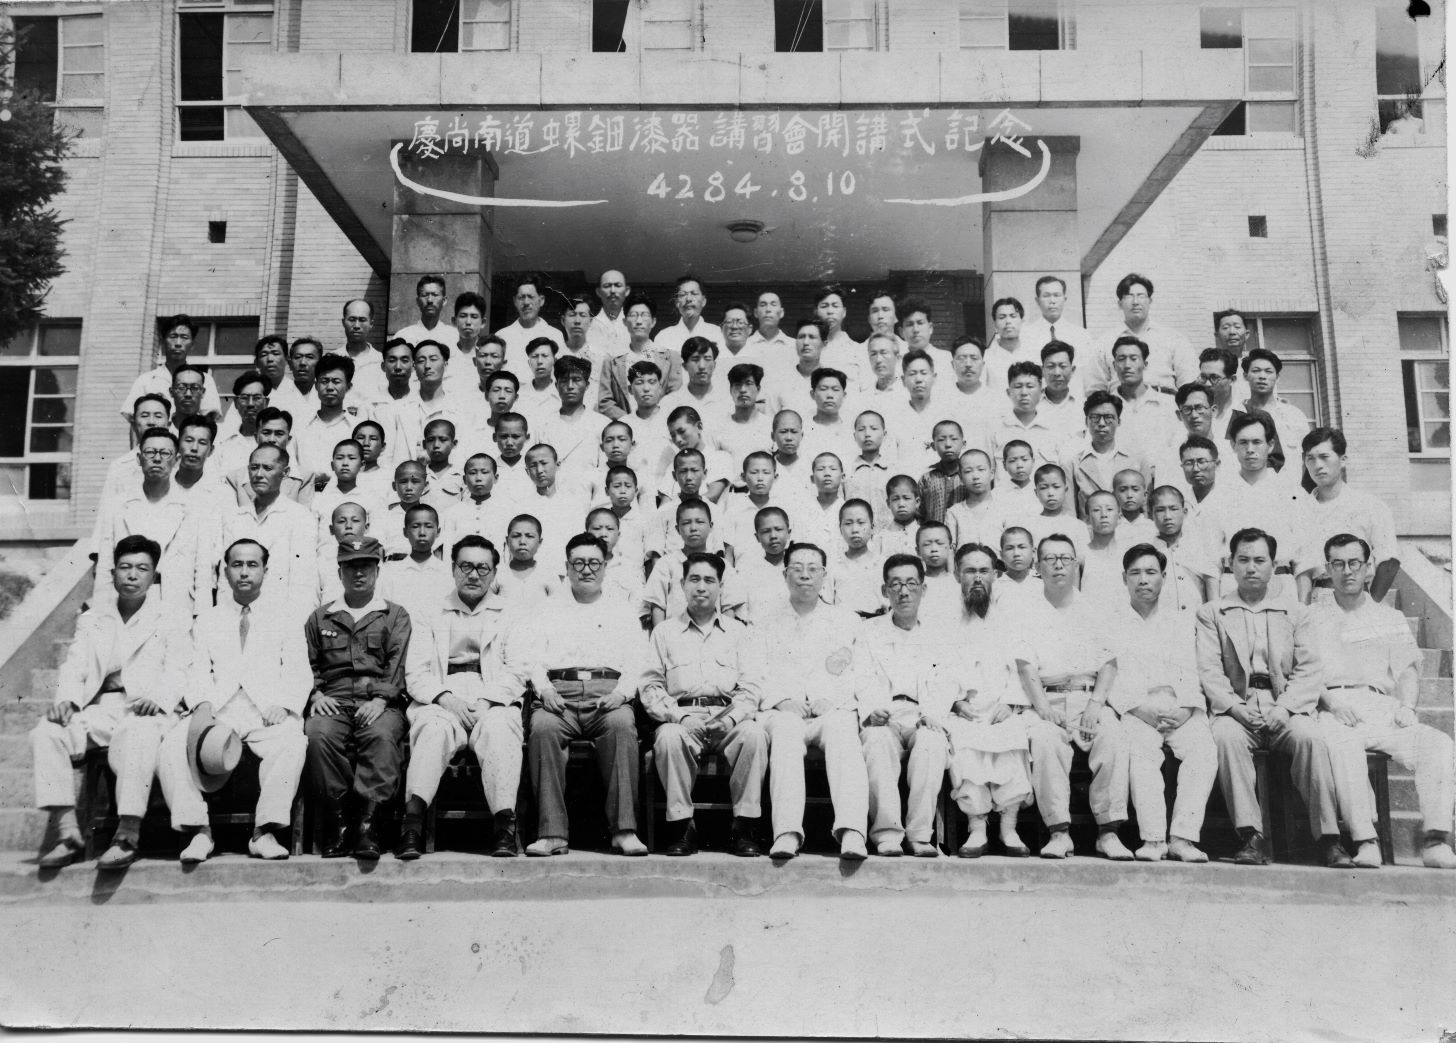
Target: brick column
x=1035, y=234
x=440, y=237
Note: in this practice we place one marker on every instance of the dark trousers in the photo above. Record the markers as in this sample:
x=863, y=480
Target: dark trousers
x=613, y=733
x=344, y=755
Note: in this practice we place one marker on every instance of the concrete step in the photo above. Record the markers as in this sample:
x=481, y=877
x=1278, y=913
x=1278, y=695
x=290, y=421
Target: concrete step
x=19, y=716
x=1407, y=836
x=17, y=788
x=1436, y=692
x=1417, y=626
x=1441, y=718
x=22, y=829
x=1436, y=662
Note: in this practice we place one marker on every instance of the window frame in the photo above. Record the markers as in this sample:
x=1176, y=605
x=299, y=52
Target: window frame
x=511, y=22
x=1417, y=360
x=1314, y=359
x=998, y=13
x=83, y=115
x=1262, y=31
x=1432, y=90
x=231, y=108
x=210, y=359
x=31, y=362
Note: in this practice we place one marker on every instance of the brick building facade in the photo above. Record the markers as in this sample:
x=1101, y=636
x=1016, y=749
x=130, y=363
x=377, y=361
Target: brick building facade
x=1285, y=113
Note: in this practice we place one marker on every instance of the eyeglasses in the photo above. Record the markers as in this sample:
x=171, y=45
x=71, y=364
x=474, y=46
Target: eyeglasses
x=158, y=454
x=191, y=389
x=1212, y=378
x=250, y=398
x=1101, y=418
x=736, y=324
x=465, y=568
x=1058, y=559
x=1346, y=566
x=586, y=564
x=1190, y=408
x=898, y=585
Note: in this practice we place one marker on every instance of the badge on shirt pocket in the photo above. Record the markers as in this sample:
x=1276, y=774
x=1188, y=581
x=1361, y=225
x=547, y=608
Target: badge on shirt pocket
x=837, y=661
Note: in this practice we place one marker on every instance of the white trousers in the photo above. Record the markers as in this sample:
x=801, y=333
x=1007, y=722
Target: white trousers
x=924, y=752
x=280, y=749
x=837, y=734
x=677, y=755
x=436, y=736
x=1419, y=748
x=1192, y=743
x=1051, y=766
x=131, y=743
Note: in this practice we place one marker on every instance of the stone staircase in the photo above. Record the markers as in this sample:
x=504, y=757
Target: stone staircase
x=26, y=694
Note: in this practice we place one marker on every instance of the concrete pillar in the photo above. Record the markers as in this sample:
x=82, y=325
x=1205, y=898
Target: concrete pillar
x=437, y=236
x=1034, y=234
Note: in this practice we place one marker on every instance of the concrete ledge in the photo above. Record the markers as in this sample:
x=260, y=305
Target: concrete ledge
x=51, y=604
x=593, y=876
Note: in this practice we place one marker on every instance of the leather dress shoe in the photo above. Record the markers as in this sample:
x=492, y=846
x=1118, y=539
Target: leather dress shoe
x=740, y=840
x=1335, y=856
x=119, y=855
x=66, y=851
x=503, y=843
x=336, y=831
x=1255, y=851
x=366, y=844
x=411, y=844
x=686, y=842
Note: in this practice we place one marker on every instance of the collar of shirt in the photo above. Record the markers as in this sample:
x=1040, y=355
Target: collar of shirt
x=376, y=604
x=686, y=622
x=1269, y=604
x=453, y=603
x=148, y=610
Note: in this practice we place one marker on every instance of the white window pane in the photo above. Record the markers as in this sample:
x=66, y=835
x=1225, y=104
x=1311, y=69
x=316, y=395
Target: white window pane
x=85, y=86
x=485, y=36
x=1287, y=338
x=1269, y=117
x=1438, y=436
x=984, y=32
x=1419, y=333
x=250, y=29
x=667, y=10
x=81, y=30
x=87, y=58
x=848, y=36
x=486, y=11
x=1272, y=78
x=1271, y=52
x=240, y=125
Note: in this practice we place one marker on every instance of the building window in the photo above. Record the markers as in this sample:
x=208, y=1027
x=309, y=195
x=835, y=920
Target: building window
x=825, y=25
x=460, y=25
x=223, y=347
x=62, y=61
x=211, y=46
x=1292, y=338
x=1425, y=370
x=1267, y=37
x=38, y=410
x=1405, y=84
x=1017, y=25
x=1258, y=226
x=636, y=25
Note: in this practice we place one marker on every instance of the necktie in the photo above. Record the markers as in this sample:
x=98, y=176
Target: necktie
x=1054, y=331
x=244, y=623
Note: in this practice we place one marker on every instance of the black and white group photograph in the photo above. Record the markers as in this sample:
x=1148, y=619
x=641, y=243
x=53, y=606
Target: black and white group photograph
x=909, y=519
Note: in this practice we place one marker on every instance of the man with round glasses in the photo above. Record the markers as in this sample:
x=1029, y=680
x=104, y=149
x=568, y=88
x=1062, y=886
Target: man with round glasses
x=585, y=671
x=466, y=672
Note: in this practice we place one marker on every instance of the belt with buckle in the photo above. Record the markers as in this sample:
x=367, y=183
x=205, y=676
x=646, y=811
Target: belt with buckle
x=1261, y=681
x=1353, y=688
x=904, y=699
x=584, y=674
x=703, y=700
x=1070, y=686
x=463, y=668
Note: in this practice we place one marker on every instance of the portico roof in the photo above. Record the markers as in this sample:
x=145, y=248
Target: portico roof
x=1137, y=117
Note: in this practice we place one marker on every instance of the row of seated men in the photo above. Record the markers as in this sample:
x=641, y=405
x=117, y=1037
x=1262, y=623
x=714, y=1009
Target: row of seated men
x=999, y=697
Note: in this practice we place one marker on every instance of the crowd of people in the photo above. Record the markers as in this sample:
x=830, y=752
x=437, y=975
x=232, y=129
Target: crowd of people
x=919, y=556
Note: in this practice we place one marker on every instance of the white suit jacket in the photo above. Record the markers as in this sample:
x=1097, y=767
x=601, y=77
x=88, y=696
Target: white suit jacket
x=272, y=669
x=503, y=662
x=155, y=649
x=177, y=525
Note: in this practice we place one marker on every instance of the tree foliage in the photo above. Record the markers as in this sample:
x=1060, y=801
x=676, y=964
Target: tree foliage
x=31, y=176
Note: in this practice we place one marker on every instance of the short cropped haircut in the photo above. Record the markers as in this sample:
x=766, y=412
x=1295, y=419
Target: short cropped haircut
x=474, y=541
x=1143, y=550
x=902, y=561
x=699, y=557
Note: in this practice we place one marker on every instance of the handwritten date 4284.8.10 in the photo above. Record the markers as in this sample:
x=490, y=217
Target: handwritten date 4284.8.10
x=716, y=190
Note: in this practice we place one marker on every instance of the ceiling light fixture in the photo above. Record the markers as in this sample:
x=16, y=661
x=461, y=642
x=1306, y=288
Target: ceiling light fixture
x=744, y=231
